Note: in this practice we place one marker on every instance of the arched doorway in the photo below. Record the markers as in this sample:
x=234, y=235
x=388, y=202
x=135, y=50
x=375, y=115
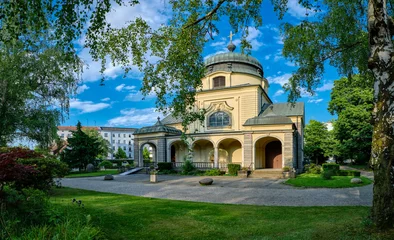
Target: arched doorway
x=233, y=149
x=178, y=151
x=273, y=155
x=268, y=153
x=148, y=154
x=203, y=151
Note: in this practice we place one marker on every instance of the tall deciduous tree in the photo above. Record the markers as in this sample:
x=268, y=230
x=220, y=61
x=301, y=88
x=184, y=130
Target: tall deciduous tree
x=104, y=145
x=315, y=140
x=120, y=154
x=352, y=101
x=81, y=149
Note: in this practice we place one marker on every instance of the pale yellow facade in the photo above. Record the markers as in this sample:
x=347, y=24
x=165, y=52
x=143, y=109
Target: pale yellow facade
x=241, y=124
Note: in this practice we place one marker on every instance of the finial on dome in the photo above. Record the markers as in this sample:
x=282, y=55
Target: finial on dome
x=231, y=47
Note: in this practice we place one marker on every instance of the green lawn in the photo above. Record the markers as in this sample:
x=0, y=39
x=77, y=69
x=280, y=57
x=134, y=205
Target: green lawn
x=315, y=180
x=129, y=217
x=92, y=174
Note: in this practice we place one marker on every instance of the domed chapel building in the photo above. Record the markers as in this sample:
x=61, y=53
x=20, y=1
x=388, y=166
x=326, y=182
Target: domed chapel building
x=242, y=124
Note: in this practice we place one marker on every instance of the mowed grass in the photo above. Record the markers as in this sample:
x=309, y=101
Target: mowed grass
x=92, y=174
x=315, y=180
x=129, y=217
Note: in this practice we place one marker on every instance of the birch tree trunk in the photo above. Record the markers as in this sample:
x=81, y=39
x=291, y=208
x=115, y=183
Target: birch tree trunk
x=381, y=63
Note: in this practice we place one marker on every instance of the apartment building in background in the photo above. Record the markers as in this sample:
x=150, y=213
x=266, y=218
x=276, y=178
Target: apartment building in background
x=116, y=136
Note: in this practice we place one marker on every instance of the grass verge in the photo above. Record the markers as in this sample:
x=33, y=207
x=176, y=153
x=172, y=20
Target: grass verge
x=129, y=217
x=316, y=181
x=92, y=174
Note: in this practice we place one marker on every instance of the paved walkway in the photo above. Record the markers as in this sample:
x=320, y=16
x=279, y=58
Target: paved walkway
x=230, y=190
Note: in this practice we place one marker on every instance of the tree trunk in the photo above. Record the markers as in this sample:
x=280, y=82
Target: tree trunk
x=382, y=155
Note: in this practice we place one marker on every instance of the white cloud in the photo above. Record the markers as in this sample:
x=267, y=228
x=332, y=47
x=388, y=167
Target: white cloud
x=279, y=93
x=136, y=117
x=105, y=99
x=267, y=57
x=281, y=80
x=278, y=55
x=325, y=87
x=296, y=10
x=87, y=106
x=82, y=88
x=290, y=64
x=253, y=37
x=124, y=87
x=220, y=43
x=315, y=100
x=136, y=96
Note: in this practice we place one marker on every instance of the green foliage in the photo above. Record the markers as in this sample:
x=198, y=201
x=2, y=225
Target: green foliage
x=104, y=145
x=188, y=167
x=81, y=149
x=286, y=169
x=233, y=168
x=47, y=169
x=106, y=164
x=120, y=154
x=312, y=168
x=213, y=172
x=331, y=167
x=315, y=138
x=352, y=101
x=164, y=166
x=146, y=154
x=327, y=174
x=353, y=173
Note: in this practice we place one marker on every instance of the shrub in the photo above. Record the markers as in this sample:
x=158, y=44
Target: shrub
x=47, y=170
x=106, y=164
x=313, y=168
x=349, y=173
x=164, y=166
x=286, y=169
x=233, y=168
x=327, y=174
x=188, y=167
x=213, y=172
x=331, y=167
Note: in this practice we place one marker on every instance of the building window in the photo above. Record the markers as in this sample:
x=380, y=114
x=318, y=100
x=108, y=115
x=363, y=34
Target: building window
x=113, y=141
x=113, y=148
x=219, y=82
x=118, y=134
x=129, y=142
x=124, y=141
x=219, y=119
x=124, y=148
x=113, y=135
x=124, y=135
x=68, y=135
x=118, y=141
x=105, y=134
x=62, y=136
x=130, y=135
x=129, y=149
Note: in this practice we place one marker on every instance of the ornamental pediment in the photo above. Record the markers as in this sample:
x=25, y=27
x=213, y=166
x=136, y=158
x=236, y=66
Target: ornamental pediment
x=219, y=106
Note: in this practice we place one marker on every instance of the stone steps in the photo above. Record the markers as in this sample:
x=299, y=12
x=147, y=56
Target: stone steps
x=267, y=173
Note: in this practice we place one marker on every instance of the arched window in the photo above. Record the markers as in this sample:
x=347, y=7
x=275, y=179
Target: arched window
x=219, y=82
x=219, y=119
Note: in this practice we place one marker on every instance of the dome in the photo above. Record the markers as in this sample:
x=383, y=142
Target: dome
x=234, y=62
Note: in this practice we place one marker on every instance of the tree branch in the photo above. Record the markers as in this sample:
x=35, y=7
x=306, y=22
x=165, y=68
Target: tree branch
x=208, y=15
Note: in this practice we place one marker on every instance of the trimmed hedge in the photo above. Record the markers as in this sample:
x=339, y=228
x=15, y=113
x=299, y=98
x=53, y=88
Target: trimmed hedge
x=334, y=168
x=349, y=173
x=233, y=168
x=164, y=166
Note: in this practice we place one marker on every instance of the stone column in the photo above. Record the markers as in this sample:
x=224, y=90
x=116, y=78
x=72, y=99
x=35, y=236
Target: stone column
x=216, y=157
x=137, y=159
x=288, y=150
x=161, y=150
x=248, y=151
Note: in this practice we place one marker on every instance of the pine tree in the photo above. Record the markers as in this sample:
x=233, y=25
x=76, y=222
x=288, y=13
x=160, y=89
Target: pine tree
x=81, y=149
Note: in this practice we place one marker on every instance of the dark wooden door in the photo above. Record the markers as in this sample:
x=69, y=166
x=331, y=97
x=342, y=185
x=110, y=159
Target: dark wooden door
x=273, y=155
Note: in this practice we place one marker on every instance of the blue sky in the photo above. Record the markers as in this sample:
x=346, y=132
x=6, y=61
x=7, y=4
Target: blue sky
x=119, y=102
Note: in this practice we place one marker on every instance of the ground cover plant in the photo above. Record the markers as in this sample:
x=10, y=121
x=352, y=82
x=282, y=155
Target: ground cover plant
x=316, y=180
x=121, y=217
x=92, y=174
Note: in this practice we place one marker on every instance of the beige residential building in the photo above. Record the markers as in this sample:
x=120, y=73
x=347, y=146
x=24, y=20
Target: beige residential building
x=242, y=124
